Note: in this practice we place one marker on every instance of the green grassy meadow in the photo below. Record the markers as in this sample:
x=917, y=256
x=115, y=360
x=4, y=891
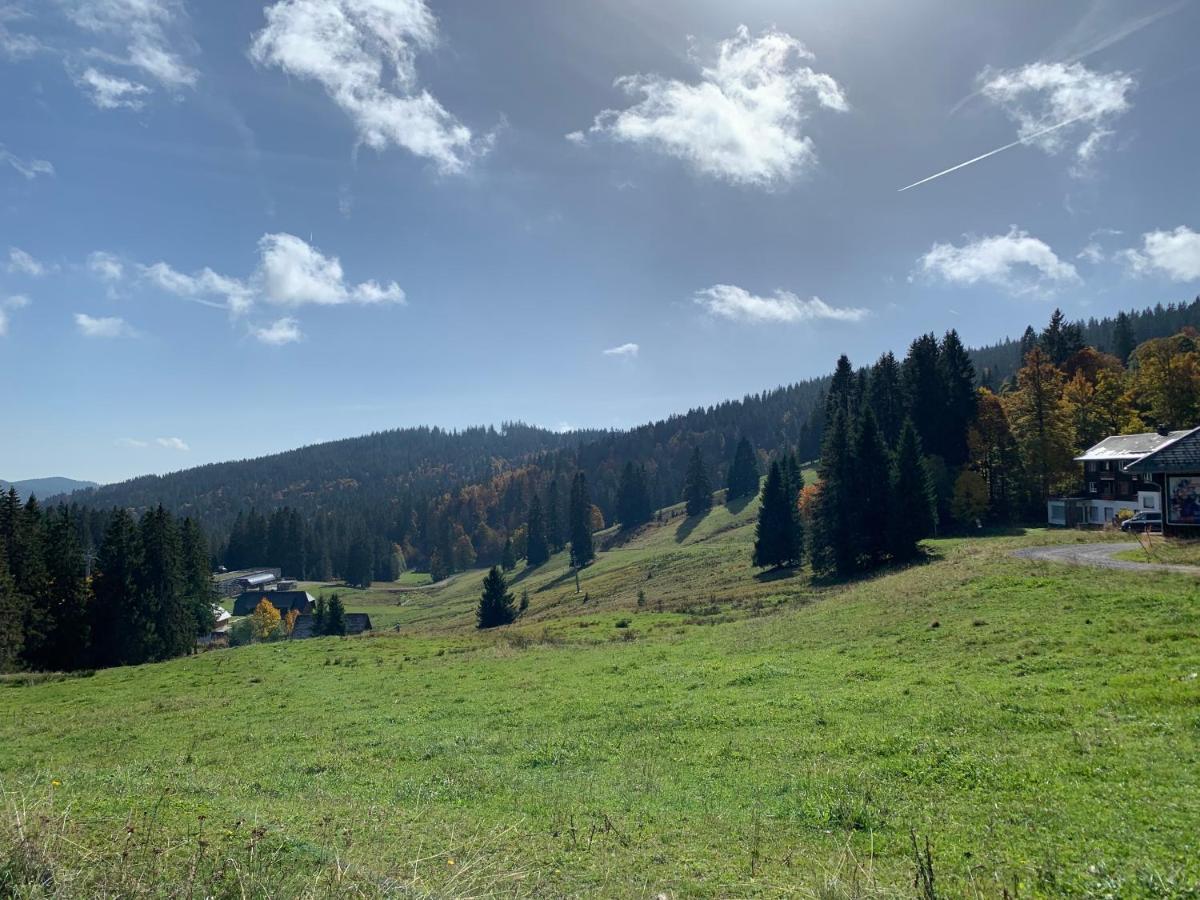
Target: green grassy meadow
x=1176, y=551
x=734, y=735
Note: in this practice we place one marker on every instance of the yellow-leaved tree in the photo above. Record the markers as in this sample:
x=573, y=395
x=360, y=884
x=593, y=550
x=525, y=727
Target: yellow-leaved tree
x=264, y=620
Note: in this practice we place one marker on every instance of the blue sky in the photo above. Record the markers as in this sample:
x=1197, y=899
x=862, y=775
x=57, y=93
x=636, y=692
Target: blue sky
x=231, y=228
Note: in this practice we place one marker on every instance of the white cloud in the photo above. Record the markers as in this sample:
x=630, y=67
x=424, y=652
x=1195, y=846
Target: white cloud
x=628, y=351
x=112, y=91
x=1175, y=254
x=21, y=263
x=1004, y=260
x=106, y=266
x=294, y=272
x=150, y=30
x=741, y=121
x=363, y=53
x=16, y=45
x=1092, y=252
x=3, y=323
x=206, y=287
x=107, y=327
x=280, y=332
x=29, y=169
x=728, y=301
x=16, y=301
x=131, y=442
x=172, y=443
x=1043, y=94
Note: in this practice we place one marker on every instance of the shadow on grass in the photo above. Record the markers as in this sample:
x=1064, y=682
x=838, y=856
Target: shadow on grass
x=832, y=579
x=687, y=526
x=781, y=573
x=735, y=507
x=567, y=576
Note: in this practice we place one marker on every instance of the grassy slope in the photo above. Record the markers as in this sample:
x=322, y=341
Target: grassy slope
x=757, y=736
x=1165, y=550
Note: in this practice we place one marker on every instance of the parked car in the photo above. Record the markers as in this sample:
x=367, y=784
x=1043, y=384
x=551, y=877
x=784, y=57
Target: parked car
x=1143, y=521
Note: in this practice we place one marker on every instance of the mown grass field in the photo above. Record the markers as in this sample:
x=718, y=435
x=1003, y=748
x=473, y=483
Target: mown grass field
x=1158, y=549
x=732, y=736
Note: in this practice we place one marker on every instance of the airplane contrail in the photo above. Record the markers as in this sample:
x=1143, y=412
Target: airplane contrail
x=1016, y=143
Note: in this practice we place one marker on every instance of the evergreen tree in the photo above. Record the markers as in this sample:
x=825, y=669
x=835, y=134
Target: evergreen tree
x=1028, y=341
x=835, y=547
x=743, y=473
x=537, y=549
x=170, y=622
x=360, y=564
x=911, y=516
x=555, y=532
x=508, y=558
x=496, y=604
x=320, y=612
x=885, y=397
x=1041, y=422
x=437, y=567
x=869, y=490
x=116, y=610
x=197, y=576
x=958, y=375
x=335, y=616
x=1061, y=339
x=633, y=498
x=12, y=615
x=1124, y=341
x=777, y=539
x=27, y=562
x=582, y=550
x=697, y=489
x=925, y=391
x=841, y=389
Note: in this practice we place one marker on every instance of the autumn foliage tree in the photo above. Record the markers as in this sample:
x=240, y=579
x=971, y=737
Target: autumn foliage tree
x=264, y=621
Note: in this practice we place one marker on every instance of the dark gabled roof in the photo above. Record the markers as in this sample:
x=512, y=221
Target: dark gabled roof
x=356, y=623
x=1127, y=446
x=1180, y=455
x=284, y=601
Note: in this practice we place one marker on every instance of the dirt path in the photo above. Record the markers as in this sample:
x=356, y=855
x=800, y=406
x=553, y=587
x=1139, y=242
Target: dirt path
x=1100, y=556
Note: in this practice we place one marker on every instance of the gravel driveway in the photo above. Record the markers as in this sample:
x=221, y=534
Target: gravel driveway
x=1100, y=556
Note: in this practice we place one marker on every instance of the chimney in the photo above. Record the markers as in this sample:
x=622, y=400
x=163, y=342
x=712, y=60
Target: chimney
x=1163, y=430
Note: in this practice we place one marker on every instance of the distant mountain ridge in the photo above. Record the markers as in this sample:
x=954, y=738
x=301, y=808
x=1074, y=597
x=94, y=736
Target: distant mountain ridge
x=47, y=487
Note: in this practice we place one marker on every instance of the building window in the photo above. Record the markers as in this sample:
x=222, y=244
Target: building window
x=1091, y=487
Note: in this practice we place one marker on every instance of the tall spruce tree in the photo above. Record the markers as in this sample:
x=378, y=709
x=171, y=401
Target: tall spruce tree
x=925, y=391
x=841, y=389
x=496, y=605
x=66, y=636
x=27, y=559
x=320, y=611
x=633, y=498
x=12, y=635
x=911, y=507
x=116, y=611
x=360, y=563
x=697, y=489
x=870, y=489
x=508, y=556
x=555, y=532
x=958, y=374
x=777, y=540
x=885, y=397
x=743, y=473
x=537, y=548
x=582, y=549
x=197, y=576
x=335, y=616
x=171, y=622
x=1124, y=342
x=835, y=546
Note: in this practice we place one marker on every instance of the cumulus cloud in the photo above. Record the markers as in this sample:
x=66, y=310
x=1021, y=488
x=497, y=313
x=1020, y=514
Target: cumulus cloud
x=1174, y=254
x=21, y=263
x=105, y=266
x=29, y=169
x=172, y=443
x=1045, y=94
x=205, y=287
x=363, y=53
x=294, y=273
x=105, y=327
x=741, y=121
x=112, y=91
x=628, y=351
x=1015, y=261
x=280, y=332
x=727, y=301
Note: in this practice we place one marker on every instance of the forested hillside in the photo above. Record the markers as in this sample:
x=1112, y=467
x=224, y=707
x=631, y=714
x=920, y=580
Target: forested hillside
x=364, y=508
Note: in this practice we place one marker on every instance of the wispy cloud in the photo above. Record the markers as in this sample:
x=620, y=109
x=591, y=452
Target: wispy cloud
x=172, y=443
x=132, y=443
x=29, y=169
x=112, y=91
x=280, y=332
x=1173, y=254
x=627, y=351
x=22, y=263
x=106, y=266
x=363, y=53
x=104, y=327
x=727, y=301
x=741, y=121
x=1015, y=261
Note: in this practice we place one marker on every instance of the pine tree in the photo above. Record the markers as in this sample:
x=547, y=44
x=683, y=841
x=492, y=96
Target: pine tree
x=743, y=473
x=360, y=564
x=870, y=488
x=885, y=397
x=925, y=392
x=554, y=520
x=437, y=567
x=1124, y=341
x=1061, y=339
x=335, y=616
x=116, y=610
x=508, y=558
x=320, y=611
x=496, y=606
x=911, y=507
x=27, y=562
x=835, y=547
x=777, y=540
x=958, y=374
x=633, y=498
x=841, y=389
x=197, y=576
x=1028, y=341
x=12, y=635
x=697, y=489
x=582, y=550
x=537, y=549
x=171, y=625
